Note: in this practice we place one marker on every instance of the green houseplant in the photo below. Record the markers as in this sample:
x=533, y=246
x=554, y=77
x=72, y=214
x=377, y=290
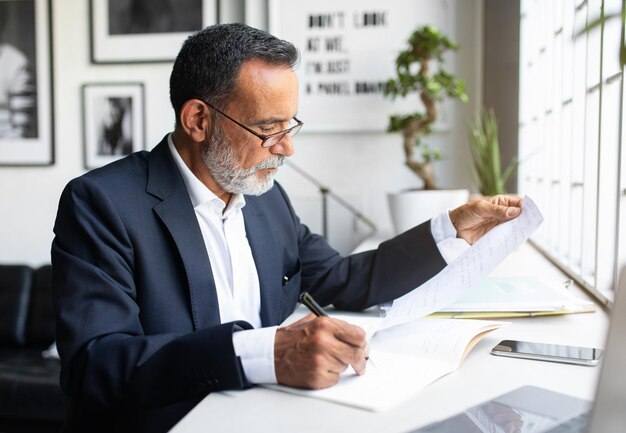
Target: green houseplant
x=485, y=149
x=420, y=72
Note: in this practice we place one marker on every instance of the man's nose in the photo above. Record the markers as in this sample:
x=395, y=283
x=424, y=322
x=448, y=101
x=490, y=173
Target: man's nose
x=285, y=146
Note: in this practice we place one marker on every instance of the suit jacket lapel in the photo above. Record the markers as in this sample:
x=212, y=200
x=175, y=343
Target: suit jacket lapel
x=177, y=214
x=265, y=253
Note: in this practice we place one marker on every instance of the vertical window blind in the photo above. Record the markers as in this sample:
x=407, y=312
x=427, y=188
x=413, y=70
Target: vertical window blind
x=571, y=135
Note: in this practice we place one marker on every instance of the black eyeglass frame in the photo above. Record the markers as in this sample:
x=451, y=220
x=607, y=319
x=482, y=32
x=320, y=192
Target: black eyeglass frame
x=264, y=138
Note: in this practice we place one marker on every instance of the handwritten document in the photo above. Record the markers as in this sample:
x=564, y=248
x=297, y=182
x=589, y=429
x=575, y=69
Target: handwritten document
x=469, y=268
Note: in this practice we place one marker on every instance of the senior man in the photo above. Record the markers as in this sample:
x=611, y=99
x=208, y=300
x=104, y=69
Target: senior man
x=172, y=269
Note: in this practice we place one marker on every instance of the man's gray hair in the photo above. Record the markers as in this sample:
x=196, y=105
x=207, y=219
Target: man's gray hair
x=209, y=62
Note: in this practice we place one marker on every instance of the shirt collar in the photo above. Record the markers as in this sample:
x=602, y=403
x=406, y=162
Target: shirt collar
x=199, y=193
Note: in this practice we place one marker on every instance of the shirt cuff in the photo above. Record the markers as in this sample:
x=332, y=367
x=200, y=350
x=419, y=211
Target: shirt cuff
x=442, y=228
x=255, y=348
x=443, y=231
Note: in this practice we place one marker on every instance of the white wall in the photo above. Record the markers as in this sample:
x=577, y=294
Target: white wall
x=361, y=168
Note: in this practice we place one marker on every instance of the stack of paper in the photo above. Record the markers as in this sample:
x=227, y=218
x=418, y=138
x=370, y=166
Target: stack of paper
x=514, y=297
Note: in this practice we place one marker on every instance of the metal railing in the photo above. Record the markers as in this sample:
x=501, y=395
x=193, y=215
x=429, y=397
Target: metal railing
x=327, y=194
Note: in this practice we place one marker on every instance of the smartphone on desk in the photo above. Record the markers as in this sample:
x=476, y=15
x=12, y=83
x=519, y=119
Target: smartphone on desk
x=548, y=352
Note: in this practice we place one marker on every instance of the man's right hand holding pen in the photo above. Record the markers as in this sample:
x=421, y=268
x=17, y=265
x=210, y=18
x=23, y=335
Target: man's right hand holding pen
x=315, y=350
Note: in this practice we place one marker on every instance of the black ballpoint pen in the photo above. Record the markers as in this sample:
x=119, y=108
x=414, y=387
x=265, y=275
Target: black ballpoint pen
x=307, y=300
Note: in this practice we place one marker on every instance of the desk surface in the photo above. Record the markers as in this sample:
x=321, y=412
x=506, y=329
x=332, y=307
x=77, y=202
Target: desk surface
x=480, y=378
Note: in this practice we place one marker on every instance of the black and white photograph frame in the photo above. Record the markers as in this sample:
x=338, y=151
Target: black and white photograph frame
x=145, y=31
x=113, y=121
x=26, y=117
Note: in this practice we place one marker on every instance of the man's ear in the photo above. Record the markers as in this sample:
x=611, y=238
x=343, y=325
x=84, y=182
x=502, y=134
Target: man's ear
x=194, y=120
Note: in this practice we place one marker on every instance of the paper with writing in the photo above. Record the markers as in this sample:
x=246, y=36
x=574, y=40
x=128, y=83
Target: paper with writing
x=464, y=272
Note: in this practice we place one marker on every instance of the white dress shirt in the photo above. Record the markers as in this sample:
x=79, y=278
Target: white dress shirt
x=235, y=273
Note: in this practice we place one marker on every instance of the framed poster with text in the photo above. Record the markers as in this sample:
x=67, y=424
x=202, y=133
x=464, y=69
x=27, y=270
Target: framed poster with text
x=348, y=50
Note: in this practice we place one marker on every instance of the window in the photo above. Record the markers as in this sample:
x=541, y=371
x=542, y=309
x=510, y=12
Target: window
x=570, y=136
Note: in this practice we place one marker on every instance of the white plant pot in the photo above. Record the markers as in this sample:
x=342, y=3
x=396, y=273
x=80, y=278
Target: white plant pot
x=410, y=208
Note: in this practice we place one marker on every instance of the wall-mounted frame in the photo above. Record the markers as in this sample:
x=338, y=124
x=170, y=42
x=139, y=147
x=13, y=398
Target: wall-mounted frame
x=26, y=123
x=113, y=121
x=344, y=67
x=145, y=31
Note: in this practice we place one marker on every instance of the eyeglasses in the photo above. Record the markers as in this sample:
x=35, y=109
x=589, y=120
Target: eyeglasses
x=267, y=141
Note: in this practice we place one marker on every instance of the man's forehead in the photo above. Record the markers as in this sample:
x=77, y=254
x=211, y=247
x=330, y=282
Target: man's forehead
x=260, y=82
x=259, y=70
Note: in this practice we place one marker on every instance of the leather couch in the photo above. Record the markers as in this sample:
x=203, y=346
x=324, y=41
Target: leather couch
x=31, y=399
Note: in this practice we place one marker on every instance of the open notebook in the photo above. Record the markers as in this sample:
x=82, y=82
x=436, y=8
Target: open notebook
x=406, y=359
x=503, y=297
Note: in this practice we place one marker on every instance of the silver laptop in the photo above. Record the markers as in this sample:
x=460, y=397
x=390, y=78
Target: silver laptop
x=537, y=410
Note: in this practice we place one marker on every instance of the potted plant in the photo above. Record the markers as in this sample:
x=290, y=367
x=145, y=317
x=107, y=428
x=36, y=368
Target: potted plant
x=485, y=150
x=420, y=73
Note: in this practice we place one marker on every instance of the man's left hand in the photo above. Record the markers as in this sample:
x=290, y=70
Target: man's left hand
x=474, y=219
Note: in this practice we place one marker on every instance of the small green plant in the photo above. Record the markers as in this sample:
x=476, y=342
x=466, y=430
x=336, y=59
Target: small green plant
x=426, y=45
x=485, y=150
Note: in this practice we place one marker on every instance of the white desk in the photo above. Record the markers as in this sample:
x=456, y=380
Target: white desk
x=480, y=378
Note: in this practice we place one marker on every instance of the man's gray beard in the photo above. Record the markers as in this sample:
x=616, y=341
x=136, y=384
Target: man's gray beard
x=221, y=161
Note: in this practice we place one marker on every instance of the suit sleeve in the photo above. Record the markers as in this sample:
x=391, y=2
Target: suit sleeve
x=359, y=281
x=108, y=361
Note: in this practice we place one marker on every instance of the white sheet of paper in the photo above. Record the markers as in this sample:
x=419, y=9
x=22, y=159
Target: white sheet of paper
x=407, y=359
x=463, y=273
x=392, y=380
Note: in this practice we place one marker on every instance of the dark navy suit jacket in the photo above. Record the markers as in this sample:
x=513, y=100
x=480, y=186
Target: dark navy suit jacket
x=138, y=324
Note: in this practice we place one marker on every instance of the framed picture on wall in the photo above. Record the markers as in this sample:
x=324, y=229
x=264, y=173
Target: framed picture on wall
x=113, y=121
x=143, y=31
x=344, y=67
x=26, y=125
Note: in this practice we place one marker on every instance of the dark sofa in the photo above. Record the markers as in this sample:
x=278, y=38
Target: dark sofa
x=31, y=399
